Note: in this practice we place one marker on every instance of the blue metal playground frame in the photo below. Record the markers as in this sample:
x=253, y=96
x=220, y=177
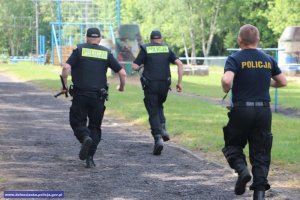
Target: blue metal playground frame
x=56, y=41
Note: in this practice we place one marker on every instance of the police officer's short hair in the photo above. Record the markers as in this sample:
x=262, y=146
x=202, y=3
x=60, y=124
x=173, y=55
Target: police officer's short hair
x=249, y=34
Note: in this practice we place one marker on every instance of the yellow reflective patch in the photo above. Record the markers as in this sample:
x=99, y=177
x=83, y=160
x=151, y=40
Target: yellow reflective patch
x=94, y=53
x=256, y=64
x=157, y=49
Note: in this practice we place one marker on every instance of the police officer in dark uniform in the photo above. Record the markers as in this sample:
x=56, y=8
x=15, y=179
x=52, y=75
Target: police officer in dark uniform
x=88, y=64
x=156, y=80
x=248, y=73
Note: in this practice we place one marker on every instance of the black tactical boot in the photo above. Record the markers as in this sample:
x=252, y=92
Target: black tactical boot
x=243, y=178
x=85, y=147
x=90, y=162
x=164, y=133
x=259, y=195
x=158, y=145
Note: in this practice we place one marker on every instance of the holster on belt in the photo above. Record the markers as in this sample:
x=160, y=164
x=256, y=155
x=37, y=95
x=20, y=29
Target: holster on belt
x=144, y=82
x=169, y=82
x=102, y=93
x=71, y=90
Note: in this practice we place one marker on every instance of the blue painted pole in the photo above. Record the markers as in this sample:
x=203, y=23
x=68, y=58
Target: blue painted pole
x=112, y=34
x=40, y=45
x=118, y=12
x=44, y=44
x=52, y=44
x=43, y=53
x=81, y=33
x=71, y=41
x=59, y=30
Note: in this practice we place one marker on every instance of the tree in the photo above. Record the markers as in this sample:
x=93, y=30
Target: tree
x=16, y=21
x=186, y=24
x=246, y=12
x=208, y=23
x=282, y=14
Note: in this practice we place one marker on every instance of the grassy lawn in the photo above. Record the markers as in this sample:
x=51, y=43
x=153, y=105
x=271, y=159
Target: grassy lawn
x=198, y=124
x=209, y=86
x=191, y=122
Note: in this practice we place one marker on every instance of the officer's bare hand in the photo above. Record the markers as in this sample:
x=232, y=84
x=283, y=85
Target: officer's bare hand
x=63, y=91
x=179, y=88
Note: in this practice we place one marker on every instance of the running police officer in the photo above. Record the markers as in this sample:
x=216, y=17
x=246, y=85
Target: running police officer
x=249, y=73
x=88, y=65
x=156, y=80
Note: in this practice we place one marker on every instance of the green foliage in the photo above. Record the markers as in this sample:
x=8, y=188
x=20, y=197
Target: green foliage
x=246, y=12
x=283, y=13
x=184, y=23
x=16, y=26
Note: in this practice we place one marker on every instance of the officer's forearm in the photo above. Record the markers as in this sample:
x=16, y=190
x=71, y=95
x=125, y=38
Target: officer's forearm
x=227, y=81
x=278, y=81
x=180, y=74
x=122, y=76
x=226, y=85
x=64, y=74
x=179, y=70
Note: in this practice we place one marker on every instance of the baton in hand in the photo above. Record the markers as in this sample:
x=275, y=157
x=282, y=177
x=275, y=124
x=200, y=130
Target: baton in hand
x=64, y=88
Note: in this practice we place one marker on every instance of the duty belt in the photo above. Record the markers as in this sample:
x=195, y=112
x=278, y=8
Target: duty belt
x=251, y=104
x=102, y=93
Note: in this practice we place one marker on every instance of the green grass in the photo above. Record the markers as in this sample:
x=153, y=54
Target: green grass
x=189, y=119
x=191, y=122
x=288, y=97
x=198, y=125
x=44, y=76
x=286, y=139
x=210, y=86
x=203, y=85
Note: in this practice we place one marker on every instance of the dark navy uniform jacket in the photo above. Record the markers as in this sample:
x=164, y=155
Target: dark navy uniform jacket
x=156, y=59
x=89, y=64
x=253, y=70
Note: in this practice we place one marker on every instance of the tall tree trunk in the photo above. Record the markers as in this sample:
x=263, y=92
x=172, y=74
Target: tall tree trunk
x=203, y=37
x=12, y=47
x=192, y=35
x=206, y=43
x=17, y=50
x=185, y=50
x=193, y=42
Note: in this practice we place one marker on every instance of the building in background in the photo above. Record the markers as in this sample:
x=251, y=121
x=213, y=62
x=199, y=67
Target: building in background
x=289, y=50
